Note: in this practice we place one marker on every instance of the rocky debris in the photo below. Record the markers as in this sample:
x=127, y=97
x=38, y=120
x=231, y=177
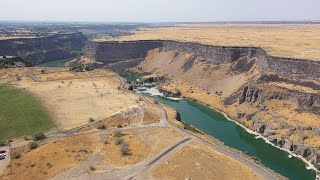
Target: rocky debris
x=153, y=79
x=317, y=158
x=189, y=63
x=303, y=137
x=269, y=132
x=306, y=128
x=316, y=131
x=288, y=145
x=276, y=78
x=281, y=142
x=249, y=116
x=308, y=102
x=243, y=65
x=259, y=126
x=170, y=93
x=272, y=139
x=130, y=88
x=303, y=150
x=177, y=116
x=240, y=115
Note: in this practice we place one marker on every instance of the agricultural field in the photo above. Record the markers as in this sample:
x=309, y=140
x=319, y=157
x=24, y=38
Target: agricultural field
x=21, y=113
x=285, y=40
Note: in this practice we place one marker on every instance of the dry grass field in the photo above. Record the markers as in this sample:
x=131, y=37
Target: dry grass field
x=204, y=164
x=73, y=98
x=295, y=41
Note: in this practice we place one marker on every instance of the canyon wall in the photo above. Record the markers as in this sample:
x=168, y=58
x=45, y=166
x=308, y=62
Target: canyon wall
x=44, y=49
x=257, y=89
x=115, y=51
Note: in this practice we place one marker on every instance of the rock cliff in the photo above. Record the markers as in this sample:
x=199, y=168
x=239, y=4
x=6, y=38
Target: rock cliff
x=44, y=49
x=277, y=97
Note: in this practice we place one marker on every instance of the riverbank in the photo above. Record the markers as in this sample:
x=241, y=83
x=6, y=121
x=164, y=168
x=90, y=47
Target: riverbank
x=294, y=165
x=215, y=103
x=213, y=142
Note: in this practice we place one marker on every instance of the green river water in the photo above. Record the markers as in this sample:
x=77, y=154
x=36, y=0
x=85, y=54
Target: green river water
x=214, y=123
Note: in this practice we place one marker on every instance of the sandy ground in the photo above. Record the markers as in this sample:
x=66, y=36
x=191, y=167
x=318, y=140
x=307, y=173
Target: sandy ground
x=204, y=164
x=290, y=40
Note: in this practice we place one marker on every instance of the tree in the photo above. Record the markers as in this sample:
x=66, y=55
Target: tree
x=33, y=145
x=16, y=155
x=39, y=136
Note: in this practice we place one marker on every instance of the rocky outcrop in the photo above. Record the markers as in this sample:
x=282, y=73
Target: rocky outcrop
x=177, y=116
x=116, y=51
x=245, y=57
x=305, y=101
x=44, y=49
x=152, y=79
x=170, y=93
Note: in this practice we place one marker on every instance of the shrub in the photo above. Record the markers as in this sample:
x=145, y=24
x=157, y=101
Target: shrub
x=190, y=128
x=92, y=168
x=119, y=141
x=117, y=133
x=33, y=145
x=119, y=126
x=16, y=155
x=39, y=136
x=155, y=102
x=125, y=150
x=3, y=143
x=49, y=165
x=91, y=120
x=101, y=126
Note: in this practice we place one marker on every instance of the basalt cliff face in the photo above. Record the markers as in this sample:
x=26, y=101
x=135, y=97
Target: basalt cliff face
x=44, y=49
x=277, y=97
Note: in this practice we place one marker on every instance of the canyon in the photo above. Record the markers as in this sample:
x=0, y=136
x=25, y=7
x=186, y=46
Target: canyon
x=44, y=49
x=275, y=96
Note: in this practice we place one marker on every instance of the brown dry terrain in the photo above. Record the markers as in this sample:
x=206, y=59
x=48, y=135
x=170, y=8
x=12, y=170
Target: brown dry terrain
x=204, y=164
x=73, y=98
x=294, y=40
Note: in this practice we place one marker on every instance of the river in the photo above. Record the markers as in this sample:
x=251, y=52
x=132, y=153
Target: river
x=214, y=123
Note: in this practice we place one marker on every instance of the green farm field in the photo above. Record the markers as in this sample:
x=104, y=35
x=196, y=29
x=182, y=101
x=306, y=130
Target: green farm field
x=21, y=114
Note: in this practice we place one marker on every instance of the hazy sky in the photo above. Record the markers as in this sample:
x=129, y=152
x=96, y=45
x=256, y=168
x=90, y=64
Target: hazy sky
x=159, y=10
